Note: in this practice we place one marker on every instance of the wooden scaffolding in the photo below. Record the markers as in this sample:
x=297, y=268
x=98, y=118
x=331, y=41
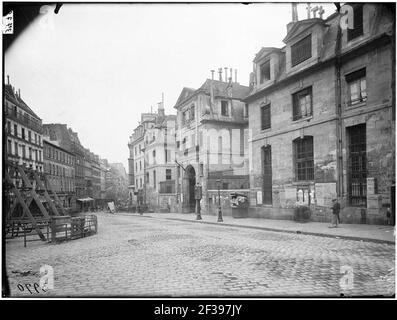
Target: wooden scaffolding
x=29, y=199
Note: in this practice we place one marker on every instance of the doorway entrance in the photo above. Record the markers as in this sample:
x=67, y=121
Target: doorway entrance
x=191, y=182
x=357, y=159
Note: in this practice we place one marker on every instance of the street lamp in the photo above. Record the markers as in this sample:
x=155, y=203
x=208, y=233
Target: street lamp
x=218, y=182
x=197, y=195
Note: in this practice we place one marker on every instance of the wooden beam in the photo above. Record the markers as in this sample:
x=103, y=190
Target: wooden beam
x=55, y=196
x=25, y=207
x=33, y=193
x=46, y=195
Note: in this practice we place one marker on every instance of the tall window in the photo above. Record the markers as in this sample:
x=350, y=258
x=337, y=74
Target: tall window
x=16, y=148
x=304, y=163
x=154, y=179
x=167, y=174
x=23, y=133
x=302, y=104
x=192, y=113
x=140, y=182
x=15, y=130
x=9, y=127
x=224, y=108
x=167, y=155
x=9, y=146
x=357, y=23
x=154, y=156
x=265, y=117
x=140, y=165
x=30, y=153
x=136, y=167
x=29, y=136
x=356, y=86
x=265, y=71
x=301, y=51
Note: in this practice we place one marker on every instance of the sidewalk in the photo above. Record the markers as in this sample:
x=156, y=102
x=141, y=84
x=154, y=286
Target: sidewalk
x=364, y=232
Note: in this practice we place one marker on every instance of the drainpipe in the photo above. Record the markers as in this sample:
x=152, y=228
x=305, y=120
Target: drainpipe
x=338, y=103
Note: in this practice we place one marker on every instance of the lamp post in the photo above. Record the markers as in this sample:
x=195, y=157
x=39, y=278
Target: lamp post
x=197, y=195
x=219, y=201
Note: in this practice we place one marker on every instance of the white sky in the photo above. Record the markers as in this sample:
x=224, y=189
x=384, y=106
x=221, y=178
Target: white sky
x=96, y=67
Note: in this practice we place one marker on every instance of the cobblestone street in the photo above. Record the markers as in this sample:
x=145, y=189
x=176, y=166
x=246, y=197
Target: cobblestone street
x=151, y=256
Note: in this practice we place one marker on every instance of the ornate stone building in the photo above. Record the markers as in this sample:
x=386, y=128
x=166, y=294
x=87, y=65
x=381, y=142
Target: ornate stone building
x=211, y=140
x=321, y=115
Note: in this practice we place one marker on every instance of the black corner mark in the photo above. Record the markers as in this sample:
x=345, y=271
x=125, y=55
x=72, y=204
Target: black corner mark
x=58, y=6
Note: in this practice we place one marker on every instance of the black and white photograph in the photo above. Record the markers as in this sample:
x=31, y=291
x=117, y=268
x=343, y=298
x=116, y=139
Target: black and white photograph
x=198, y=150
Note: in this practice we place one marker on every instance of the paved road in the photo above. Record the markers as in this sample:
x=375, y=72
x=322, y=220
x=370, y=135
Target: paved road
x=143, y=256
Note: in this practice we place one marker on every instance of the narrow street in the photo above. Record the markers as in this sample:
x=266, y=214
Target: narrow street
x=151, y=256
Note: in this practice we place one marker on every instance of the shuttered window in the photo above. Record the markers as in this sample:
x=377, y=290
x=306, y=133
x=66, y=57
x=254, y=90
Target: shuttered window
x=301, y=51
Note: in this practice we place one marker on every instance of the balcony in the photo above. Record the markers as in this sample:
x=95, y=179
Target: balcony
x=167, y=186
x=23, y=119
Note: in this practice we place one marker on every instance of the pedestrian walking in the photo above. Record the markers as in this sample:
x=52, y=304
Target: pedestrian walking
x=335, y=213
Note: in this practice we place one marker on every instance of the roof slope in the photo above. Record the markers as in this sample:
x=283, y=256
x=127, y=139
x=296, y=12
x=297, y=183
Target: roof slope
x=11, y=96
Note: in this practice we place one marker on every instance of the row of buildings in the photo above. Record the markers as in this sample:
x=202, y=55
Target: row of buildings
x=316, y=122
x=80, y=177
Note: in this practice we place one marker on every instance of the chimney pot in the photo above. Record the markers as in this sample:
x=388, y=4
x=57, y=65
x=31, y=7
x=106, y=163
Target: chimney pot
x=235, y=75
x=8, y=79
x=220, y=74
x=212, y=74
x=226, y=74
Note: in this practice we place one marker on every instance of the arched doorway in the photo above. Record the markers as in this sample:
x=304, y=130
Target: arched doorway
x=191, y=182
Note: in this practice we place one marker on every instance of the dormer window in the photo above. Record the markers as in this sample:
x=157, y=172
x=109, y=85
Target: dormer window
x=224, y=108
x=301, y=51
x=264, y=72
x=357, y=23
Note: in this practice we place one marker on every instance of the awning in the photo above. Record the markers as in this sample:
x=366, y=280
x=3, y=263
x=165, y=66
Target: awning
x=85, y=199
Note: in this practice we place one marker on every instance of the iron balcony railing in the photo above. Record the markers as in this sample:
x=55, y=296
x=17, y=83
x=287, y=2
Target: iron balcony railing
x=23, y=119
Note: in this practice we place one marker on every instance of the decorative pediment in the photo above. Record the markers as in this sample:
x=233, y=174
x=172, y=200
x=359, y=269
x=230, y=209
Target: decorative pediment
x=302, y=26
x=185, y=93
x=264, y=52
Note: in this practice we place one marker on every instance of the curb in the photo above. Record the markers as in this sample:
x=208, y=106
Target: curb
x=318, y=234
x=288, y=231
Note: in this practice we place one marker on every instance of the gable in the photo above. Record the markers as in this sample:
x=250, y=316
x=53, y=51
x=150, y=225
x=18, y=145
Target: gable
x=185, y=93
x=302, y=26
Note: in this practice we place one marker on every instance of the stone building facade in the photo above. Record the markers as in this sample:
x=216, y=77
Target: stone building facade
x=137, y=160
x=152, y=168
x=69, y=140
x=23, y=132
x=321, y=118
x=211, y=140
x=59, y=166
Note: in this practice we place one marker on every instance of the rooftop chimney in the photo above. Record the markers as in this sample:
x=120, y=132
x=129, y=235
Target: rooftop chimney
x=220, y=74
x=212, y=74
x=226, y=74
x=161, y=106
x=235, y=75
x=231, y=73
x=294, y=16
x=8, y=79
x=294, y=12
x=19, y=93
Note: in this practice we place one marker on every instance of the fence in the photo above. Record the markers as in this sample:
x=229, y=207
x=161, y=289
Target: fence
x=56, y=229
